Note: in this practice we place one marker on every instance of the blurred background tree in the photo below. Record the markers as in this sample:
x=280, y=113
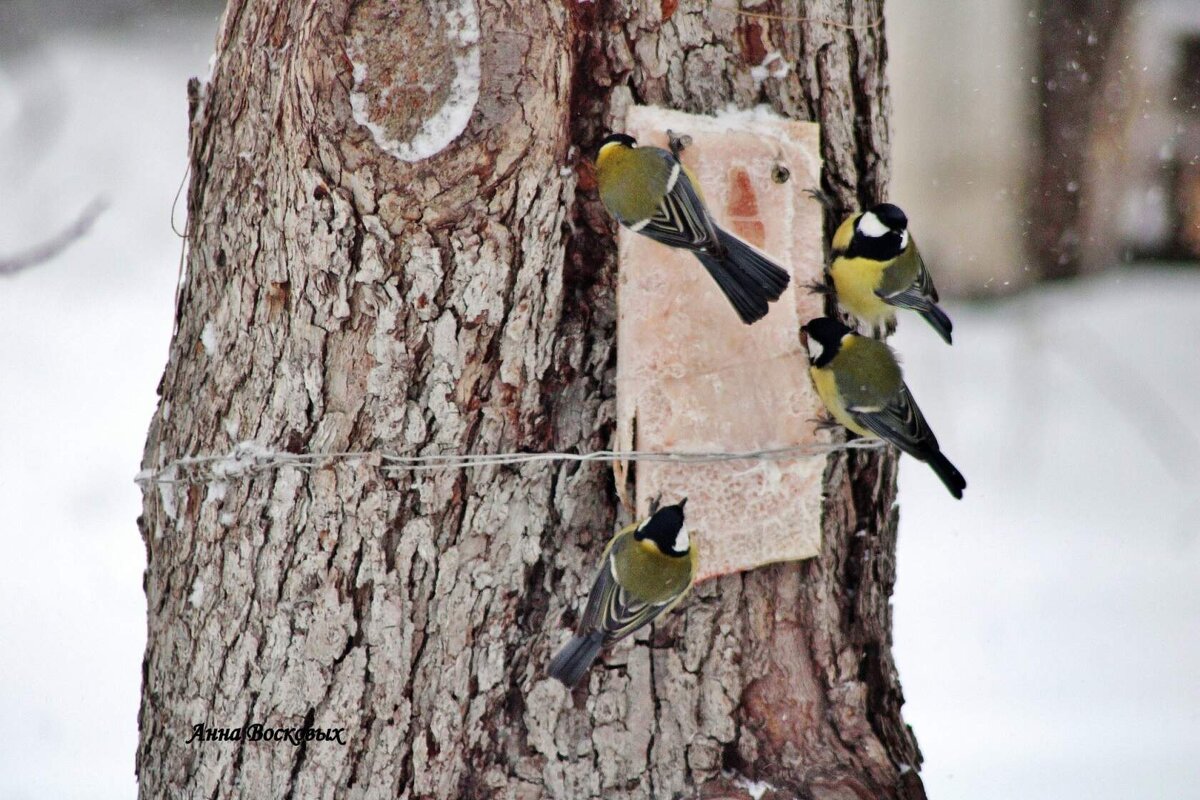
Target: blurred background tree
x=1074, y=41
x=1049, y=139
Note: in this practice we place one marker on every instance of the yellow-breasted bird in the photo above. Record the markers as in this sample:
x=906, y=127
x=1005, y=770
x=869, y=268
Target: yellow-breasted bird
x=651, y=192
x=877, y=268
x=859, y=380
x=647, y=568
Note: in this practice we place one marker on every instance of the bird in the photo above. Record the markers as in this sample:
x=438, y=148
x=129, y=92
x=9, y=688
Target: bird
x=877, y=268
x=651, y=192
x=646, y=569
x=859, y=381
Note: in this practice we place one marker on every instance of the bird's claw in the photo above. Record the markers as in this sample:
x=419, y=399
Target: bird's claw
x=818, y=287
x=825, y=199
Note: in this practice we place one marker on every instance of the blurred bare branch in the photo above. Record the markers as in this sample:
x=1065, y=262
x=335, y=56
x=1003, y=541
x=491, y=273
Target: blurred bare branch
x=51, y=248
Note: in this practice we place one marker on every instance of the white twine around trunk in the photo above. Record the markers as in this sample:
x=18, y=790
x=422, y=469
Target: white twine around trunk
x=250, y=458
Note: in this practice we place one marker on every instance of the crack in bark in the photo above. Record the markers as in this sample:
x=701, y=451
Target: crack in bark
x=298, y=762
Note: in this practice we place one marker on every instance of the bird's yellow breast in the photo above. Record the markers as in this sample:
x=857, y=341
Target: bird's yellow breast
x=826, y=385
x=856, y=280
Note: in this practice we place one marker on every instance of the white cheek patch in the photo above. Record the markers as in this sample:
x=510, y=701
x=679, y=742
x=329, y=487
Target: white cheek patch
x=904, y=240
x=815, y=349
x=870, y=225
x=682, y=543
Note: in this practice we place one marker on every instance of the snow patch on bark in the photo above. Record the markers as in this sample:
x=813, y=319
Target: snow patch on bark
x=166, y=494
x=756, y=789
x=216, y=492
x=773, y=66
x=449, y=122
x=208, y=338
x=197, y=595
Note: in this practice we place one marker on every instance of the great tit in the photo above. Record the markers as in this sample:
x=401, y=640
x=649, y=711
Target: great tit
x=647, y=568
x=877, y=268
x=859, y=380
x=651, y=192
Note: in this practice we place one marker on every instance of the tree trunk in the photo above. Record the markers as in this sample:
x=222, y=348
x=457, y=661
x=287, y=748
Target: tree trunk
x=1074, y=39
x=341, y=298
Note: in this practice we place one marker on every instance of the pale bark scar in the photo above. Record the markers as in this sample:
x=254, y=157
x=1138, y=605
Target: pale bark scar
x=416, y=72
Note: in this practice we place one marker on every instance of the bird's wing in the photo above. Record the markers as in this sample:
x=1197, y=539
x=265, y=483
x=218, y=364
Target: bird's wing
x=681, y=220
x=900, y=422
x=614, y=611
x=919, y=293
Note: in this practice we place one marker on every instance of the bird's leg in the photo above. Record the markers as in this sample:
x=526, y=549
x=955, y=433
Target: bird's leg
x=677, y=142
x=655, y=504
x=820, y=287
x=825, y=423
x=824, y=198
x=879, y=331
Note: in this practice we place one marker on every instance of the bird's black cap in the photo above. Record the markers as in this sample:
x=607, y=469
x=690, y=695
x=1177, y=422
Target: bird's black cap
x=828, y=333
x=621, y=138
x=663, y=526
x=891, y=216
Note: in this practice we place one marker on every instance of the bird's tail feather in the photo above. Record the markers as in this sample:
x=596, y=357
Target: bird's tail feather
x=576, y=658
x=748, y=300
x=745, y=260
x=938, y=320
x=950, y=476
x=748, y=278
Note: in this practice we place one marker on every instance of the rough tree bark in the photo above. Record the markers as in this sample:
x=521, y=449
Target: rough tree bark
x=340, y=299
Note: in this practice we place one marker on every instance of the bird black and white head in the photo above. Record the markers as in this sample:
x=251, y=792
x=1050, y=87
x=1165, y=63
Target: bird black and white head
x=880, y=233
x=823, y=338
x=882, y=219
x=667, y=530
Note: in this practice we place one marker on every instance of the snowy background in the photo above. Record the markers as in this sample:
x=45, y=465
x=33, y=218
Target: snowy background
x=83, y=341
x=1046, y=626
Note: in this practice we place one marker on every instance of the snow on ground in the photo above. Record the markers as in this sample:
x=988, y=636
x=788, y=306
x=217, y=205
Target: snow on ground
x=83, y=341
x=1046, y=626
